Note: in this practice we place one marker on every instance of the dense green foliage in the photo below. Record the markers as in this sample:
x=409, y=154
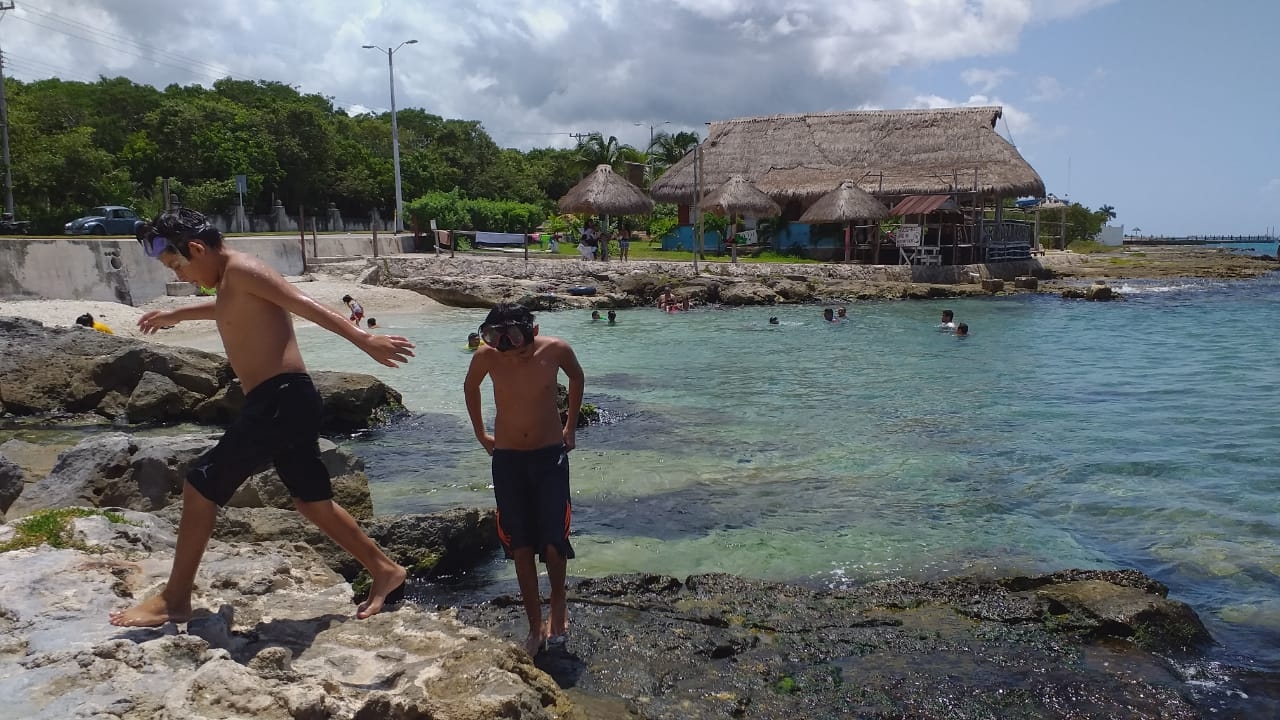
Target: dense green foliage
x=76, y=145
x=454, y=212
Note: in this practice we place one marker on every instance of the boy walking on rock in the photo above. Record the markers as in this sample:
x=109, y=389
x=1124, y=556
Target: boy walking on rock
x=530, y=450
x=280, y=421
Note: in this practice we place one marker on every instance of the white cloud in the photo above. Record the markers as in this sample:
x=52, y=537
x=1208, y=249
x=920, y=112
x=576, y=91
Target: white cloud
x=1047, y=88
x=1020, y=124
x=531, y=67
x=985, y=80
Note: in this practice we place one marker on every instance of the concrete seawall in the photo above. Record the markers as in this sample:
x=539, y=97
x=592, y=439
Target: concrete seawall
x=116, y=270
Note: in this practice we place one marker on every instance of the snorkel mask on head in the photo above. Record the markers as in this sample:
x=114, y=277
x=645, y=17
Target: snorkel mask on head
x=510, y=335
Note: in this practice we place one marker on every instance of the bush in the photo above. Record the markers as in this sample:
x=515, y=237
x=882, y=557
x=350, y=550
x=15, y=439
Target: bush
x=451, y=211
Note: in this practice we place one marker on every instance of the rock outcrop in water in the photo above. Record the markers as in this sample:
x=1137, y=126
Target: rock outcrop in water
x=76, y=370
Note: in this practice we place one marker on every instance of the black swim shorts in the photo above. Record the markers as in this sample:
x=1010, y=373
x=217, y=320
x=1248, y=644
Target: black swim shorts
x=280, y=424
x=532, y=490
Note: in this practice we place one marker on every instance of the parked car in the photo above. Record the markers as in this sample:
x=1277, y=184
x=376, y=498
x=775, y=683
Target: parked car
x=104, y=220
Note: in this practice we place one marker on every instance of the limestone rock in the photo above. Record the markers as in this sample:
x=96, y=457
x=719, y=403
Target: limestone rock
x=1099, y=291
x=11, y=481
x=748, y=293
x=282, y=645
x=44, y=370
x=147, y=473
x=353, y=401
x=157, y=399
x=1154, y=622
x=993, y=285
x=1026, y=282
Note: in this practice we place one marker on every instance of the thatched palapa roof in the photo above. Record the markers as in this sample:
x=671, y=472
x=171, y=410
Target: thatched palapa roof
x=887, y=152
x=605, y=192
x=739, y=197
x=846, y=203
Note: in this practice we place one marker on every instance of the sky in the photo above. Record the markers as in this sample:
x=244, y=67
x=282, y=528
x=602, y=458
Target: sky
x=1144, y=105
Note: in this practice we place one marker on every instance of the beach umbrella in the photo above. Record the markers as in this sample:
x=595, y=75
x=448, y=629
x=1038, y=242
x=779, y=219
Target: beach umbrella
x=739, y=197
x=736, y=197
x=605, y=192
x=846, y=203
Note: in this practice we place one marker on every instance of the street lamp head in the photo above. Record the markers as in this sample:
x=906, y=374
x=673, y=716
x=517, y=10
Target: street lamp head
x=410, y=42
x=368, y=47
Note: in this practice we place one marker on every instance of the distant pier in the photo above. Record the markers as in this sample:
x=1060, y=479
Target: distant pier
x=1200, y=239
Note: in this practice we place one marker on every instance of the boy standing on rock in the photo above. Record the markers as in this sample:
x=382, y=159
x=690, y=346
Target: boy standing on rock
x=530, y=450
x=280, y=421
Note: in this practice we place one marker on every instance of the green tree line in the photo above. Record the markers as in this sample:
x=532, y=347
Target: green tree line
x=75, y=145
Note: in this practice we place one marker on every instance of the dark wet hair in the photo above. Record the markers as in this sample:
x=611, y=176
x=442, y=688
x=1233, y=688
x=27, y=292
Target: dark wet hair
x=948, y=314
x=473, y=336
x=613, y=314
x=346, y=298
x=373, y=322
x=509, y=312
x=179, y=227
x=962, y=328
x=85, y=320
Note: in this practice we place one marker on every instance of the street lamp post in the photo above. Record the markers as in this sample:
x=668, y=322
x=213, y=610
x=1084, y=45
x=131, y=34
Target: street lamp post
x=395, y=127
x=649, y=150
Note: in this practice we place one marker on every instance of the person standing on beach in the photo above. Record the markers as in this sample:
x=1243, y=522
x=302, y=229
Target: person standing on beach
x=530, y=450
x=280, y=421
x=357, y=310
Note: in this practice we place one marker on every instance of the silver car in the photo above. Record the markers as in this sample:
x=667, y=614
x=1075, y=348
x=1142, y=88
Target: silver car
x=104, y=220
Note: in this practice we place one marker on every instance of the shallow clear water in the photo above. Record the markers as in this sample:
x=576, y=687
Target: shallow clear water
x=1060, y=434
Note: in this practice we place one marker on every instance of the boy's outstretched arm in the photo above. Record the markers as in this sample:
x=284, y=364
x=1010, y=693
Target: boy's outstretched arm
x=471, y=393
x=154, y=320
x=577, y=382
x=390, y=350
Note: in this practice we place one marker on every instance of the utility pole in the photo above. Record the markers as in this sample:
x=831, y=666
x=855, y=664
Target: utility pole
x=5, y=6
x=398, y=225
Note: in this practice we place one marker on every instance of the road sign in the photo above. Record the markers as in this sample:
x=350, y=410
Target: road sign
x=242, y=184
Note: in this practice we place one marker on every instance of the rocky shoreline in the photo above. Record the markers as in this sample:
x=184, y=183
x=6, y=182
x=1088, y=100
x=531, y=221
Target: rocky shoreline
x=278, y=640
x=481, y=281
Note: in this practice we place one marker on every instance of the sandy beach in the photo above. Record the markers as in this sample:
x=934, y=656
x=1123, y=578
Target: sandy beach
x=203, y=334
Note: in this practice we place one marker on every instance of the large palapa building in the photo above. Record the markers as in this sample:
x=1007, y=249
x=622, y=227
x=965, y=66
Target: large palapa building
x=936, y=170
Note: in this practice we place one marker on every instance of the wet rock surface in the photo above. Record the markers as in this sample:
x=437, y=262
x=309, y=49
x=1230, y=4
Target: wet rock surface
x=1075, y=644
x=47, y=370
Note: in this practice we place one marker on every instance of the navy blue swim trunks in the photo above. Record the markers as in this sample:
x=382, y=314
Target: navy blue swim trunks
x=280, y=424
x=532, y=491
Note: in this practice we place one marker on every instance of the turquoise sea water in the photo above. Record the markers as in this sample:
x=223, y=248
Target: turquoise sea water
x=1060, y=434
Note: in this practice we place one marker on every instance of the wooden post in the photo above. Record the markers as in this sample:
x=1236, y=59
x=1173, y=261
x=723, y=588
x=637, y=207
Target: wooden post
x=302, y=236
x=847, y=248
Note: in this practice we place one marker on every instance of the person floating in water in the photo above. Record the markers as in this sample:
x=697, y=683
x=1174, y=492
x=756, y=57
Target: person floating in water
x=530, y=449
x=613, y=317
x=829, y=315
x=473, y=342
x=962, y=330
x=373, y=323
x=773, y=320
x=948, y=323
x=280, y=422
x=87, y=321
x=595, y=315
x=841, y=314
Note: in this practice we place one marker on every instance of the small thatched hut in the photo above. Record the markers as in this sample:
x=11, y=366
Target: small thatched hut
x=892, y=154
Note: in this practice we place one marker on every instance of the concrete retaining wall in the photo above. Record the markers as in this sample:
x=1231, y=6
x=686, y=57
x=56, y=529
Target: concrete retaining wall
x=114, y=270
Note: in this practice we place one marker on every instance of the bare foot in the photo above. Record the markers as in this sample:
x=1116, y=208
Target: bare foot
x=152, y=612
x=559, y=624
x=387, y=589
x=537, y=638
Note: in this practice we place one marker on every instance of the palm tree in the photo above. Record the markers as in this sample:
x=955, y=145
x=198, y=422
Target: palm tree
x=668, y=148
x=1109, y=211
x=595, y=150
